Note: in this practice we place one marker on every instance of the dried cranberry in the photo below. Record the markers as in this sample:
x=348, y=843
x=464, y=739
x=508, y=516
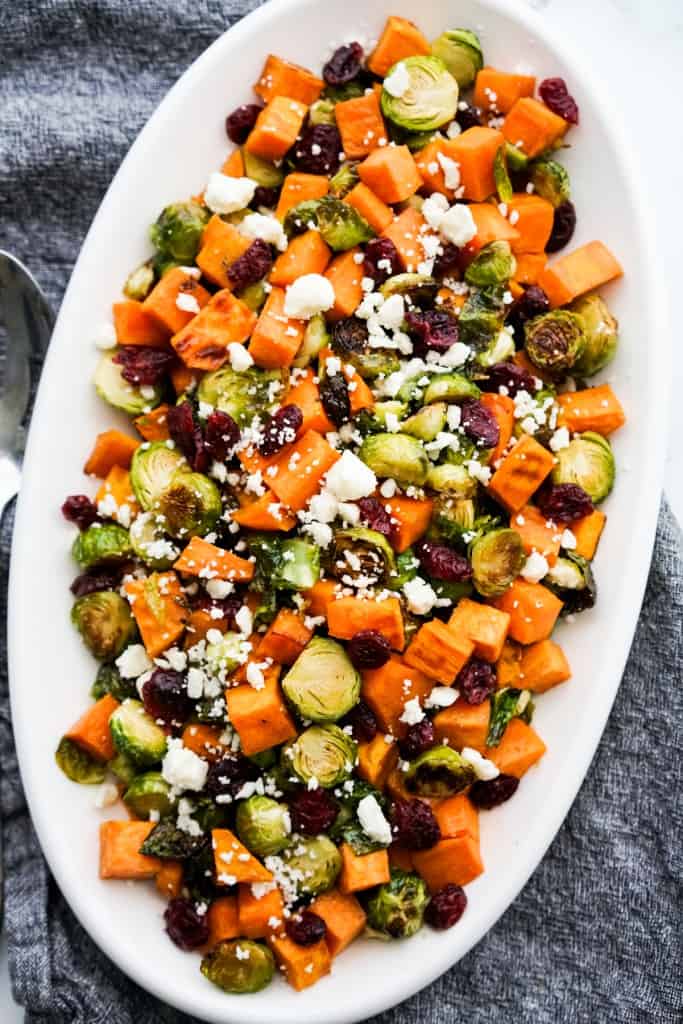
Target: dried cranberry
x=510, y=376
x=80, y=510
x=374, y=514
x=564, y=223
x=443, y=563
x=227, y=776
x=479, y=424
x=382, y=260
x=362, y=720
x=97, y=579
x=476, y=681
x=369, y=649
x=468, y=117
x=164, y=696
x=281, y=429
x=446, y=907
x=414, y=825
x=185, y=926
x=533, y=302
x=306, y=928
x=143, y=365
x=187, y=434
x=267, y=197
x=335, y=399
x=435, y=329
x=556, y=96
x=447, y=260
x=350, y=335
x=344, y=64
x=312, y=811
x=241, y=121
x=493, y=792
x=565, y=503
x=221, y=434
x=227, y=606
x=318, y=149
x=419, y=737
x=251, y=266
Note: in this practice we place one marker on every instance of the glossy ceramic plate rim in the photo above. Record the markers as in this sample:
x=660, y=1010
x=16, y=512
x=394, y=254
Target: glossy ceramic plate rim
x=634, y=579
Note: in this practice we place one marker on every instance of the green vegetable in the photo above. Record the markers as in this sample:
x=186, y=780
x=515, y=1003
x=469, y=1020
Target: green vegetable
x=292, y=564
x=129, y=398
x=151, y=470
x=100, y=544
x=506, y=704
x=224, y=656
x=430, y=100
x=301, y=218
x=482, y=316
x=177, y=232
x=453, y=480
x=149, y=792
x=262, y=171
x=253, y=295
x=361, y=553
x=397, y=907
x=450, y=387
x=347, y=91
x=374, y=421
x=78, y=765
x=321, y=752
x=345, y=179
x=500, y=349
x=263, y=825
x=340, y=225
x=123, y=768
x=139, y=282
x=346, y=827
x=322, y=684
x=108, y=680
x=104, y=621
x=517, y=161
x=439, y=772
x=239, y=966
x=420, y=289
x=407, y=567
x=461, y=52
x=242, y=394
x=150, y=543
x=588, y=461
x=136, y=734
x=374, y=363
x=427, y=422
x=315, y=864
x=494, y=264
x=316, y=338
x=322, y=112
x=571, y=578
x=190, y=505
x=169, y=842
x=550, y=180
x=497, y=559
x=554, y=341
x=600, y=334
x=396, y=455
x=502, y=180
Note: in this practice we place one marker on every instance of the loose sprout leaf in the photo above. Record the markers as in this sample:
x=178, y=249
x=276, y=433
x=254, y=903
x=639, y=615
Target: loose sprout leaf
x=109, y=680
x=501, y=177
x=359, y=841
x=506, y=704
x=78, y=765
x=169, y=842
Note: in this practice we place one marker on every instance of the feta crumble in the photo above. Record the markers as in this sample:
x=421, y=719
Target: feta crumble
x=310, y=294
x=228, y=195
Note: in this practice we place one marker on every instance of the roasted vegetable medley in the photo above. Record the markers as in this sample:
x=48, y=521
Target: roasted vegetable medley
x=363, y=482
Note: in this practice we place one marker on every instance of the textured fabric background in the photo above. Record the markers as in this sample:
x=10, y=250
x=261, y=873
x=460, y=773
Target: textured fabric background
x=596, y=934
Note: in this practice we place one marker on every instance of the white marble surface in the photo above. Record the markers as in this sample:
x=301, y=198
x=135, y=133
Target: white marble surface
x=637, y=49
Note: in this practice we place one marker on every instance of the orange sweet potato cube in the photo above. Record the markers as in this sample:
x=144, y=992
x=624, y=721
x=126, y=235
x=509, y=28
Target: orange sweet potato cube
x=285, y=638
x=302, y=965
x=258, y=916
x=120, y=856
x=162, y=302
x=222, y=920
x=203, y=343
x=454, y=861
x=276, y=338
x=543, y=665
x=260, y=716
x=376, y=760
x=360, y=125
x=438, y=651
x=456, y=815
x=533, y=610
x=520, y=748
x=407, y=232
x=464, y=725
x=91, y=732
x=222, y=244
x=233, y=862
x=532, y=127
x=283, y=78
x=344, y=917
x=391, y=173
x=474, y=150
x=276, y=128
x=362, y=871
x=587, y=533
x=400, y=38
x=169, y=879
x=538, y=533
x=387, y=689
x=521, y=473
x=160, y=610
x=484, y=626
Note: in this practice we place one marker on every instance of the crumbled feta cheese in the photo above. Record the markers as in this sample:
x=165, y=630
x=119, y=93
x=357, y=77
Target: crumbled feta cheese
x=195, y=683
x=244, y=620
x=105, y=337
x=182, y=768
x=349, y=512
x=441, y=697
x=453, y=415
x=392, y=312
x=434, y=209
x=219, y=589
x=133, y=662
x=372, y=820
x=568, y=540
x=107, y=795
x=559, y=440
x=323, y=506
x=227, y=195
x=483, y=768
x=535, y=567
x=388, y=488
x=398, y=82
x=457, y=225
x=187, y=303
x=419, y=595
x=239, y=356
x=177, y=659
x=261, y=225
x=320, y=532
x=412, y=712
x=350, y=479
x=255, y=676
x=451, y=171
x=308, y=295
x=564, y=575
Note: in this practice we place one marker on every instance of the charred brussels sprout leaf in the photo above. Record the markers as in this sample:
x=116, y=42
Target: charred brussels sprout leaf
x=284, y=564
x=396, y=455
x=316, y=338
x=177, y=232
x=168, y=842
x=374, y=421
x=516, y=160
x=322, y=752
x=554, y=341
x=190, y=505
x=461, y=52
x=340, y=225
x=421, y=289
x=589, y=462
x=430, y=99
x=148, y=792
x=136, y=734
x=301, y=217
x=427, y=422
x=150, y=543
x=78, y=765
x=104, y=621
x=507, y=704
x=450, y=387
x=494, y=264
x=600, y=331
x=108, y=680
x=139, y=282
x=497, y=559
x=502, y=179
x=347, y=828
x=550, y=181
x=571, y=579
x=500, y=349
x=263, y=825
x=322, y=112
x=361, y=552
x=322, y=684
x=241, y=394
x=346, y=178
x=239, y=966
x=151, y=471
x=316, y=862
x=101, y=544
x=482, y=316
x=397, y=908
x=438, y=772
x=123, y=768
x=407, y=566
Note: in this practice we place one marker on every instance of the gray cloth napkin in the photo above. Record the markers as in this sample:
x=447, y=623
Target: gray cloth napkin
x=596, y=934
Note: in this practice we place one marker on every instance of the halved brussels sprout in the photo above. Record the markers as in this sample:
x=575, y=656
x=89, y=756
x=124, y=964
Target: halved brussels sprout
x=111, y=386
x=301, y=217
x=78, y=765
x=242, y=394
x=151, y=471
x=450, y=387
x=571, y=578
x=588, y=461
x=239, y=966
x=396, y=455
x=104, y=621
x=224, y=656
x=439, y=772
x=500, y=349
x=177, y=232
x=502, y=179
x=315, y=863
x=322, y=112
x=322, y=684
x=482, y=316
x=374, y=362
x=506, y=704
x=316, y=338
x=253, y=295
x=123, y=768
x=150, y=543
x=494, y=264
x=149, y=792
x=100, y=544
x=452, y=479
x=374, y=420
x=346, y=178
x=600, y=334
x=109, y=680
x=397, y=907
x=429, y=99
x=421, y=289
x=139, y=282
x=362, y=553
x=340, y=224
x=299, y=565
x=554, y=341
x=190, y=505
x=136, y=734
x=497, y=560
x=415, y=141
x=263, y=825
x=322, y=752
x=262, y=171
x=550, y=180
x=461, y=52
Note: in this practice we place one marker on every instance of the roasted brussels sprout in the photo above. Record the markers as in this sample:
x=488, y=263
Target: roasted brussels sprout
x=78, y=765
x=459, y=522
x=550, y=180
x=239, y=966
x=340, y=224
x=374, y=363
x=600, y=335
x=316, y=338
x=149, y=792
x=322, y=752
x=428, y=95
x=497, y=559
x=151, y=471
x=322, y=684
x=345, y=91
x=168, y=842
x=450, y=387
x=554, y=341
x=263, y=172
x=507, y=704
x=123, y=768
x=427, y=422
x=571, y=578
x=224, y=656
x=139, y=282
x=461, y=52
x=494, y=264
x=516, y=160
x=136, y=734
x=374, y=420
x=190, y=505
x=109, y=680
x=396, y=455
x=242, y=394
x=315, y=863
x=150, y=543
x=588, y=461
x=452, y=479
x=407, y=567
x=177, y=232
x=322, y=112
x=360, y=553
x=114, y=389
x=502, y=178
x=299, y=566
x=104, y=621
x=263, y=825
x=301, y=217
x=101, y=544
x=500, y=349
x=253, y=295
x=397, y=907
x=421, y=289
x=345, y=179
x=482, y=316
x=439, y=772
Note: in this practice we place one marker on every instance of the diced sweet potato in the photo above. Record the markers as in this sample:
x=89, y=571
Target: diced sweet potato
x=276, y=128
x=120, y=856
x=596, y=409
x=203, y=344
x=484, y=626
x=169, y=879
x=533, y=610
x=521, y=473
x=360, y=125
x=153, y=426
x=222, y=244
x=376, y=759
x=298, y=187
x=300, y=469
x=387, y=689
x=544, y=665
x=533, y=217
x=532, y=127
x=305, y=254
x=233, y=862
x=91, y=731
x=276, y=338
x=502, y=408
x=266, y=513
x=456, y=816
x=410, y=518
x=257, y=917
x=134, y=326
x=162, y=301
x=282, y=78
x=345, y=276
x=285, y=638
x=222, y=920
x=538, y=533
x=578, y=272
x=454, y=861
x=302, y=965
x=520, y=748
x=400, y=38
x=362, y=871
x=464, y=725
x=117, y=497
x=160, y=609
x=509, y=665
x=406, y=231
x=320, y=596
x=205, y=740
x=587, y=532
x=112, y=448
x=391, y=173
x=344, y=917
x=348, y=615
x=474, y=150
x=491, y=226
x=378, y=215
x=498, y=91
x=201, y=558
x=260, y=716
x=438, y=651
